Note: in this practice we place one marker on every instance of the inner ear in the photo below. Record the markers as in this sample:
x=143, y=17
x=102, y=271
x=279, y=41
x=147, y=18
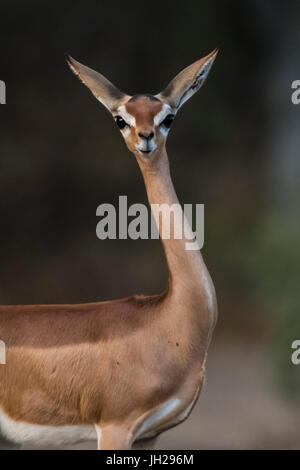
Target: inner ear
x=187, y=82
x=105, y=92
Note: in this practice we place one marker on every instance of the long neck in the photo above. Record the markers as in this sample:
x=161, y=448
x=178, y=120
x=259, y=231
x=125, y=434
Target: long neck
x=188, y=273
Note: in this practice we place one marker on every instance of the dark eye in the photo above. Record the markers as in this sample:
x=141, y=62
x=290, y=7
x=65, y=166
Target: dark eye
x=168, y=120
x=120, y=122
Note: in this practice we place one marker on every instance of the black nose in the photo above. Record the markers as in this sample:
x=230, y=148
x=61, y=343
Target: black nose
x=147, y=136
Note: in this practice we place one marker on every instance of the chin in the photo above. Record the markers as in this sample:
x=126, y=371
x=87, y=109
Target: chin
x=149, y=152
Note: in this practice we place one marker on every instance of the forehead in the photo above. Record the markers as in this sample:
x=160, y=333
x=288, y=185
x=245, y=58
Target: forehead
x=143, y=107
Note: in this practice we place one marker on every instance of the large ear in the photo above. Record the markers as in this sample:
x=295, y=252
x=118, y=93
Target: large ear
x=188, y=81
x=102, y=89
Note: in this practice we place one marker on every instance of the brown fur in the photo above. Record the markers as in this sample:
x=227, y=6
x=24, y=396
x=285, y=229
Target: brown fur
x=112, y=364
x=144, y=110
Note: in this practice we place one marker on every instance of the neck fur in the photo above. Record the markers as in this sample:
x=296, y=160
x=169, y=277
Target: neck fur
x=188, y=275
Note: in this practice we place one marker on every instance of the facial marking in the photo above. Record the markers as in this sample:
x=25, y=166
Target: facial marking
x=126, y=132
x=164, y=131
x=166, y=109
x=144, y=110
x=144, y=116
x=128, y=118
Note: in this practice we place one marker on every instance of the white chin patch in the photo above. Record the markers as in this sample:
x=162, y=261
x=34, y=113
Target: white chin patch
x=147, y=148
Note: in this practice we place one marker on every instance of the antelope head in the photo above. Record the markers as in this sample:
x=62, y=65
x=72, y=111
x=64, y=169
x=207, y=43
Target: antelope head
x=144, y=119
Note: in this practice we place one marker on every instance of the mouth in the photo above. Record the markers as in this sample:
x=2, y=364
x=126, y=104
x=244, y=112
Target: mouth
x=145, y=151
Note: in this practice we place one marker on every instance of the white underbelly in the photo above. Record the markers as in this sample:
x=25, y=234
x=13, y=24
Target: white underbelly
x=40, y=435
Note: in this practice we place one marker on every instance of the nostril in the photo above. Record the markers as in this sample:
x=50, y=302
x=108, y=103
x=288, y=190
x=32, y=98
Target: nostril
x=146, y=136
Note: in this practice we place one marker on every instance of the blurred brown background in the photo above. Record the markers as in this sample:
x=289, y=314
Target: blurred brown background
x=233, y=147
